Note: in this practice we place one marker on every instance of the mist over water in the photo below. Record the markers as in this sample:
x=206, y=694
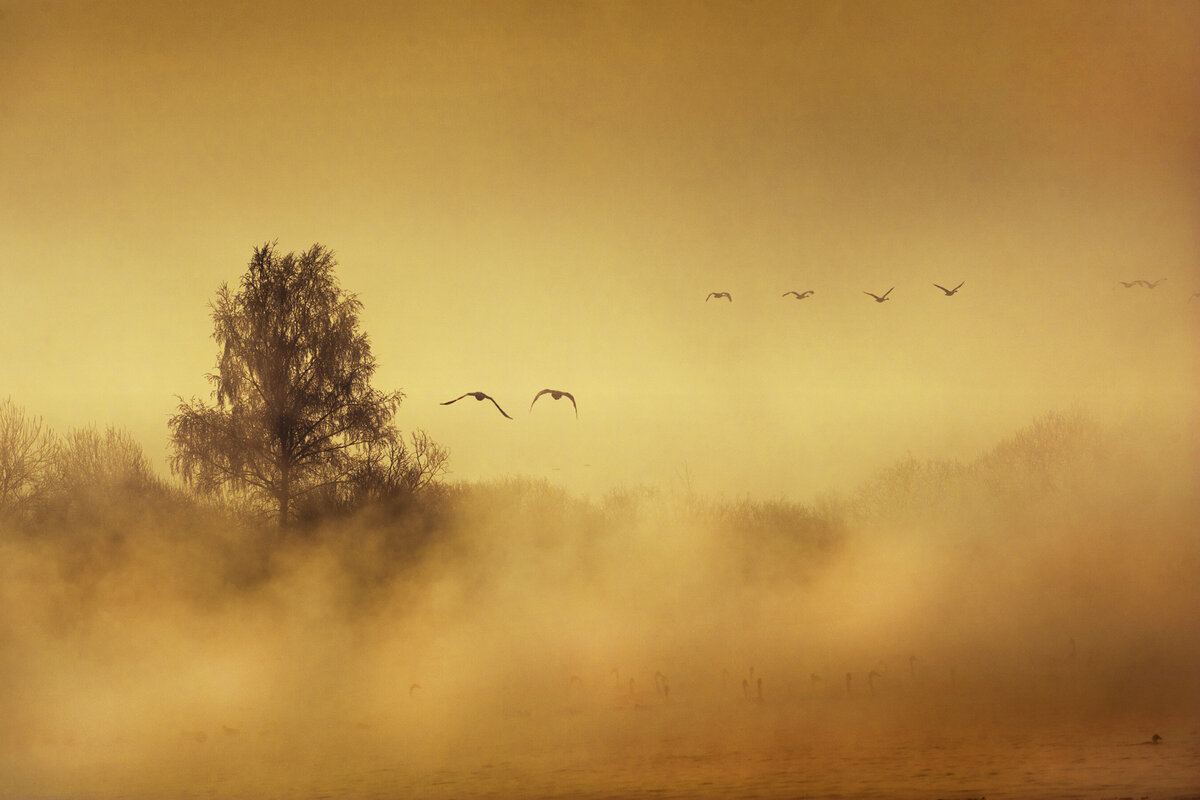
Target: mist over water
x=511, y=638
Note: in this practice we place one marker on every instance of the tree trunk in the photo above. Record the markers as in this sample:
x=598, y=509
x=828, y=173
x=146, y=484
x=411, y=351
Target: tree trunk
x=285, y=495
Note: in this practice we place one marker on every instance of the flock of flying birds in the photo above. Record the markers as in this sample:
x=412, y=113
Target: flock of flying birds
x=1150, y=285
x=879, y=298
x=558, y=394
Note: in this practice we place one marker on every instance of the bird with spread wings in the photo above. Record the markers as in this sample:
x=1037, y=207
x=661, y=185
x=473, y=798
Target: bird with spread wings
x=480, y=396
x=556, y=394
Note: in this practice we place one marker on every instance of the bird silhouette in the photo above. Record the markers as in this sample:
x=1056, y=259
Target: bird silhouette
x=949, y=292
x=1150, y=285
x=799, y=295
x=719, y=295
x=557, y=394
x=478, y=396
x=1130, y=284
x=879, y=299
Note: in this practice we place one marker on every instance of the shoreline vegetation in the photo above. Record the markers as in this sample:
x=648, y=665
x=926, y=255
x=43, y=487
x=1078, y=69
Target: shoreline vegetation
x=92, y=503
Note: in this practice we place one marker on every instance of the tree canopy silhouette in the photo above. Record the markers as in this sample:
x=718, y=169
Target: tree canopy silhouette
x=295, y=416
x=27, y=452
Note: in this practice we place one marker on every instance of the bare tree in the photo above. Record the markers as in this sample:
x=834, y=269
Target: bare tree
x=295, y=415
x=94, y=472
x=26, y=453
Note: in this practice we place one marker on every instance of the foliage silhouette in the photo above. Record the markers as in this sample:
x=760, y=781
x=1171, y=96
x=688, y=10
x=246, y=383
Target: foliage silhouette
x=296, y=422
x=26, y=454
x=93, y=471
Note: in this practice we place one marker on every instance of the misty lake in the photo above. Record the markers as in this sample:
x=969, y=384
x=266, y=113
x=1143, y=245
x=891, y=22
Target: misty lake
x=819, y=750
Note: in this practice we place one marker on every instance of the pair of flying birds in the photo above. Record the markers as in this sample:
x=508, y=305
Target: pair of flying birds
x=727, y=296
x=878, y=298
x=556, y=394
x=948, y=292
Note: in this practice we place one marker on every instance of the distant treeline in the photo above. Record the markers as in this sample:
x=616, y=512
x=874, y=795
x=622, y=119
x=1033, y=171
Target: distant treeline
x=90, y=501
x=1050, y=455
x=92, y=476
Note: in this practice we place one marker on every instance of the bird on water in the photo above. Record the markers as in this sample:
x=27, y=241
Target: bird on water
x=719, y=295
x=478, y=396
x=879, y=299
x=556, y=394
x=950, y=292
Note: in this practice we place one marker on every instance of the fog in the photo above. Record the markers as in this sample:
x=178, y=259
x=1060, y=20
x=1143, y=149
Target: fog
x=956, y=530
x=1047, y=580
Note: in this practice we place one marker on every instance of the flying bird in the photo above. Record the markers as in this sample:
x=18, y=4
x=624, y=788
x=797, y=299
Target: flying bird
x=799, y=296
x=1130, y=284
x=478, y=396
x=557, y=394
x=719, y=295
x=879, y=299
x=1150, y=285
x=949, y=292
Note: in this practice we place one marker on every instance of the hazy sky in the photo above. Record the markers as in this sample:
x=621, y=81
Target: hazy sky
x=541, y=194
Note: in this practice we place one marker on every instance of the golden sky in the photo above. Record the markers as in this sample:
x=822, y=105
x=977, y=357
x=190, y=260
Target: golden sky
x=541, y=194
